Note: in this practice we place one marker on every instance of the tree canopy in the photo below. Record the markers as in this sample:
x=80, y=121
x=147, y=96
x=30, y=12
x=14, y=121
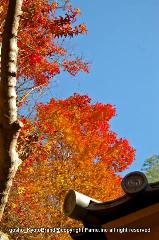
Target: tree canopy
x=69, y=146
x=69, y=142
x=151, y=168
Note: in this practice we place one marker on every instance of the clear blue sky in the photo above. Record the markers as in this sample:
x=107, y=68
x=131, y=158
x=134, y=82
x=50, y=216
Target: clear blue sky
x=123, y=46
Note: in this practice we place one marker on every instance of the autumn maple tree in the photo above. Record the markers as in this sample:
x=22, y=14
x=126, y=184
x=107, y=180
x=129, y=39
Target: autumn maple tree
x=42, y=54
x=32, y=53
x=69, y=143
x=72, y=146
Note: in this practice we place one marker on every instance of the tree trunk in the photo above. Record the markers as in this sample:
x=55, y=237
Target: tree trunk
x=4, y=236
x=9, y=124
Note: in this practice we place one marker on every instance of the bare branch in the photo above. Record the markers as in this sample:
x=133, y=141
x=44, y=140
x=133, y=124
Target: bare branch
x=23, y=99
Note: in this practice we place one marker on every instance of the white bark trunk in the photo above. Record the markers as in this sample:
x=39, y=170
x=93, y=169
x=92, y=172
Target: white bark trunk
x=9, y=124
x=4, y=236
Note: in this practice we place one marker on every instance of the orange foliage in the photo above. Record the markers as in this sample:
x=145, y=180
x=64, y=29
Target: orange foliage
x=43, y=27
x=70, y=145
x=73, y=148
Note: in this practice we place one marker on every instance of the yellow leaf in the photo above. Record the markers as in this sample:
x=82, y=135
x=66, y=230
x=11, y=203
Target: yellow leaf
x=21, y=190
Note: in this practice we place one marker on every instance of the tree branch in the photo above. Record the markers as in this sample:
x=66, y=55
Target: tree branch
x=23, y=99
